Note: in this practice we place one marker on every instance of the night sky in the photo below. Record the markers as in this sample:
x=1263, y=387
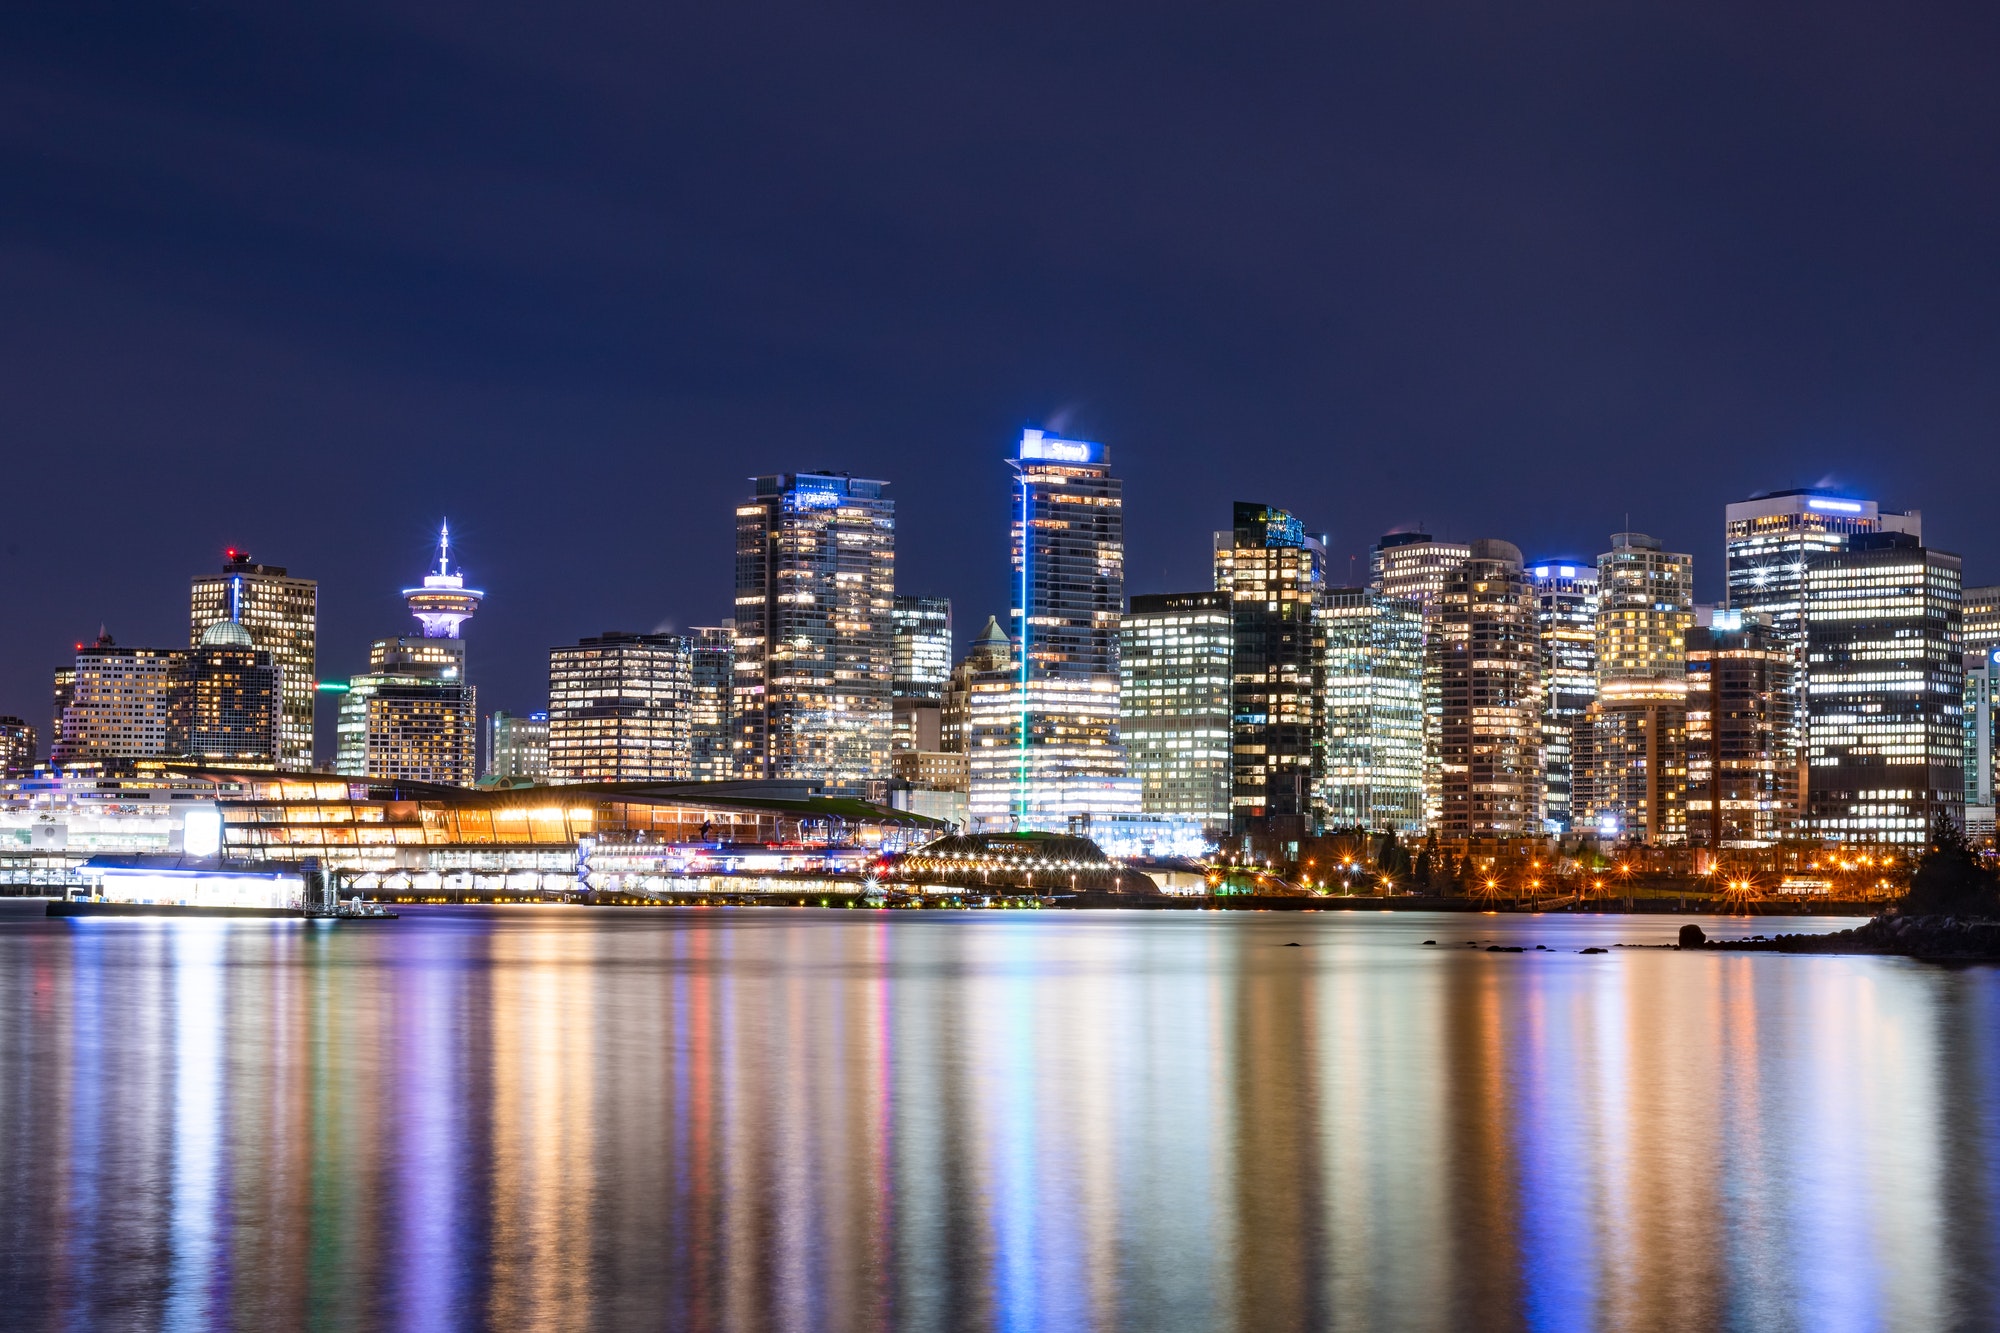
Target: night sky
x=306, y=281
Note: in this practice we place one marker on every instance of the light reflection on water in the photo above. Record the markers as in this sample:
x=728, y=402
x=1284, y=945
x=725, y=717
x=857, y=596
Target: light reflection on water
x=560, y=1118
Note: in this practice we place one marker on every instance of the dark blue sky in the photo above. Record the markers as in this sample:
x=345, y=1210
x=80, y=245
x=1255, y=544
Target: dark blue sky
x=306, y=280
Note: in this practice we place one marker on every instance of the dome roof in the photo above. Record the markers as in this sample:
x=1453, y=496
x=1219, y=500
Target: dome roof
x=226, y=634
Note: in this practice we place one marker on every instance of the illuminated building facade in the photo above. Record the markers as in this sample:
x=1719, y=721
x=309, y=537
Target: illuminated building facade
x=63, y=692
x=281, y=613
x=235, y=699
x=621, y=709
x=1374, y=768
x=17, y=747
x=517, y=747
x=1062, y=762
x=1982, y=619
x=991, y=651
x=1566, y=618
x=1174, y=703
x=1885, y=690
x=1274, y=574
x=921, y=654
x=712, y=723
x=1739, y=724
x=125, y=703
x=815, y=600
x=411, y=716
x=1486, y=654
x=1637, y=781
x=1412, y=567
x=1982, y=675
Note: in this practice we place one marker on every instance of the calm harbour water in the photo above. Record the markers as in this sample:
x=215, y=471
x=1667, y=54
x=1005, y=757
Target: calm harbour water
x=580, y=1118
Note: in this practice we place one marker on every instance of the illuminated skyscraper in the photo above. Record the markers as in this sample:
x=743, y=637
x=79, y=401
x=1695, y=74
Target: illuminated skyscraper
x=1982, y=741
x=1886, y=680
x=922, y=647
x=1486, y=654
x=621, y=709
x=234, y=707
x=1275, y=574
x=17, y=747
x=1566, y=616
x=1374, y=711
x=1174, y=719
x=815, y=599
x=991, y=652
x=1069, y=566
x=517, y=747
x=1412, y=567
x=712, y=730
x=1739, y=724
x=281, y=612
x=1982, y=619
x=125, y=703
x=1638, y=770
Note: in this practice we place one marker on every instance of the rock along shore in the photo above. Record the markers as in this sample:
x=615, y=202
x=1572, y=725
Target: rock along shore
x=1930, y=937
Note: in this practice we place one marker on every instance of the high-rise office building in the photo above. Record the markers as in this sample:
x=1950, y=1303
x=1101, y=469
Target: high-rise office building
x=1486, y=653
x=1064, y=763
x=620, y=709
x=1982, y=619
x=1885, y=695
x=1982, y=753
x=815, y=599
x=234, y=711
x=991, y=652
x=1637, y=781
x=921, y=654
x=1275, y=574
x=1174, y=703
x=412, y=716
x=1566, y=617
x=61, y=695
x=281, y=613
x=1374, y=769
x=17, y=747
x=712, y=723
x=517, y=747
x=1411, y=567
x=1769, y=539
x=125, y=703
x=1739, y=724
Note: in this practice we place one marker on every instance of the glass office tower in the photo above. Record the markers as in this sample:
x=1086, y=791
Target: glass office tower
x=1374, y=767
x=621, y=709
x=1174, y=713
x=1739, y=727
x=712, y=722
x=1412, y=567
x=815, y=600
x=1637, y=777
x=517, y=747
x=1486, y=655
x=281, y=613
x=1566, y=618
x=1275, y=574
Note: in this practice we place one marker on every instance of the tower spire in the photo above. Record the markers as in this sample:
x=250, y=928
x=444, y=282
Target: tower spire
x=444, y=602
x=444, y=547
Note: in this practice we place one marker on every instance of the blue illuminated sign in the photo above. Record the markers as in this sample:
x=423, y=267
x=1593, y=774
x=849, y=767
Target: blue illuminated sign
x=815, y=493
x=1834, y=506
x=1047, y=448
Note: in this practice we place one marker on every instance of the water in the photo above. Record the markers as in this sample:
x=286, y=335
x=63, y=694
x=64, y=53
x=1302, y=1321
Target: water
x=576, y=1118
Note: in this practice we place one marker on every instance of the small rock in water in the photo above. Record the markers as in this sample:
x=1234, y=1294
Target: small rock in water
x=1430, y=941
x=1592, y=949
x=1692, y=936
x=1293, y=945
x=1541, y=947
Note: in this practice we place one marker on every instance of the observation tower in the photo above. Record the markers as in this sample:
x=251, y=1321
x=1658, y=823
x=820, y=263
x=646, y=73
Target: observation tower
x=444, y=602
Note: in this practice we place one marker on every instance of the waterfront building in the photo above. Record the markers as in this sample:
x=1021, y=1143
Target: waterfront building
x=1739, y=724
x=1174, y=703
x=62, y=694
x=621, y=709
x=1060, y=762
x=712, y=722
x=17, y=747
x=815, y=597
x=1566, y=619
x=517, y=747
x=1274, y=573
x=1769, y=540
x=1412, y=567
x=411, y=716
x=1982, y=619
x=1637, y=782
x=233, y=712
x=1982, y=675
x=921, y=652
x=991, y=651
x=124, y=703
x=1885, y=690
x=281, y=613
x=1486, y=655
x=1374, y=769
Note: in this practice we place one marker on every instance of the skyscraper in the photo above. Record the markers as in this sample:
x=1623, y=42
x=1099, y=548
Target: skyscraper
x=1638, y=770
x=921, y=653
x=233, y=714
x=17, y=747
x=1486, y=654
x=620, y=709
x=517, y=747
x=815, y=596
x=1174, y=700
x=991, y=652
x=125, y=703
x=1412, y=567
x=1885, y=694
x=1982, y=619
x=1275, y=574
x=1566, y=616
x=712, y=725
x=1739, y=724
x=1069, y=567
x=1374, y=769
x=1982, y=741
x=281, y=613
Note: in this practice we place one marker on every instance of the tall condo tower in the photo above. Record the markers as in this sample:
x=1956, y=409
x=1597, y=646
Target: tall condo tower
x=281, y=613
x=1275, y=575
x=1638, y=761
x=1486, y=656
x=1412, y=567
x=1174, y=718
x=1739, y=728
x=1374, y=711
x=815, y=600
x=1566, y=617
x=1067, y=765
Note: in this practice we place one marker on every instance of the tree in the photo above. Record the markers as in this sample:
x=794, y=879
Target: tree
x=1950, y=879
